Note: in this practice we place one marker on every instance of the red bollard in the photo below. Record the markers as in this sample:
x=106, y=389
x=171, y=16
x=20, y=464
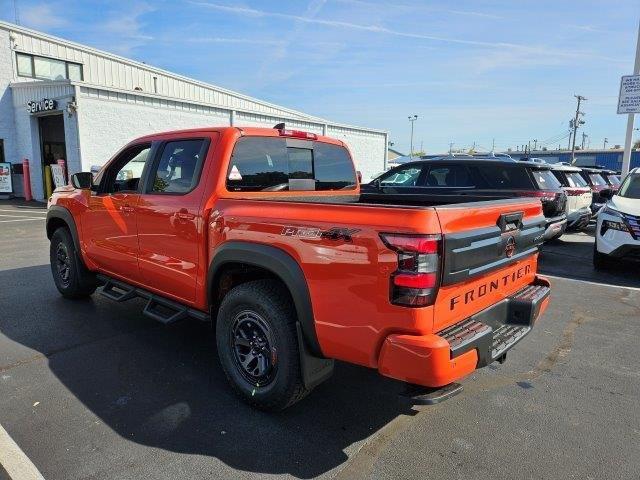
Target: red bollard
x=26, y=180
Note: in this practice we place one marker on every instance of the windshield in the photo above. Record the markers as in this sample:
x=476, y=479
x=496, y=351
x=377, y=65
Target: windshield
x=545, y=179
x=614, y=180
x=597, y=179
x=630, y=187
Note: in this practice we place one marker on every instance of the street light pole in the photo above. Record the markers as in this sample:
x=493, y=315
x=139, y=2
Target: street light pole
x=412, y=119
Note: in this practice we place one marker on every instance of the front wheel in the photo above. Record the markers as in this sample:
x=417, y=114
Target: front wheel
x=258, y=346
x=71, y=277
x=600, y=260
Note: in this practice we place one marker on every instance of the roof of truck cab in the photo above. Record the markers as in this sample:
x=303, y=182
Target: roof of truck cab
x=244, y=131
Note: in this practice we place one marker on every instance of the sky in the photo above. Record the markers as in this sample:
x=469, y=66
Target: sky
x=473, y=71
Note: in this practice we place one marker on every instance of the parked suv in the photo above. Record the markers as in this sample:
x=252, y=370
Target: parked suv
x=578, y=195
x=597, y=183
x=618, y=226
x=453, y=179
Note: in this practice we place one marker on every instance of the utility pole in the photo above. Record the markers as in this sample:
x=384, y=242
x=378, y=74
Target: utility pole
x=604, y=145
x=626, y=157
x=576, y=121
x=570, y=134
x=412, y=119
x=450, y=148
x=535, y=144
x=493, y=145
x=584, y=137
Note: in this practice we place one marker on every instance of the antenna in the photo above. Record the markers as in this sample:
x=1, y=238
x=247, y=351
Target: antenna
x=16, y=15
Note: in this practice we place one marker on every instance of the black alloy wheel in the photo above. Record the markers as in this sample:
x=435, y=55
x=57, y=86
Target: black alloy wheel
x=253, y=345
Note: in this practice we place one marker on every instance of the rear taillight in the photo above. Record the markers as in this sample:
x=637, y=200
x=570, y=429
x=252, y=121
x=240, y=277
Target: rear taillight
x=297, y=134
x=415, y=282
x=541, y=194
x=575, y=192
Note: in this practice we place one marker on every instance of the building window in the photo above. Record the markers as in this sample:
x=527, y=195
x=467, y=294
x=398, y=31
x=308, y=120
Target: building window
x=25, y=65
x=47, y=68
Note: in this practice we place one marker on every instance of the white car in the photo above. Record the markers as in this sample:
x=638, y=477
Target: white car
x=579, y=195
x=618, y=226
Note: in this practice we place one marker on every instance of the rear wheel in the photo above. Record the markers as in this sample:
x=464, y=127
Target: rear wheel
x=71, y=277
x=258, y=346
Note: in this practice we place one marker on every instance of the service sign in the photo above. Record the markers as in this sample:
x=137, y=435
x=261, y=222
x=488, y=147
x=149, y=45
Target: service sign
x=44, y=105
x=6, y=184
x=629, y=99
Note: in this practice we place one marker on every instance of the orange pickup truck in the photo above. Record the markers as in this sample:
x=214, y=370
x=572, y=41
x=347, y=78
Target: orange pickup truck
x=263, y=232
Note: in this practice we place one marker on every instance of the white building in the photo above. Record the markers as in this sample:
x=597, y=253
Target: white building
x=96, y=102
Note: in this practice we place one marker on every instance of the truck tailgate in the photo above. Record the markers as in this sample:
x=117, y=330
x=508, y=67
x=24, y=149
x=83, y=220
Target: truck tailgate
x=490, y=251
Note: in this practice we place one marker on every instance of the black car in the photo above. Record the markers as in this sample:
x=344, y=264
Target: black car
x=488, y=179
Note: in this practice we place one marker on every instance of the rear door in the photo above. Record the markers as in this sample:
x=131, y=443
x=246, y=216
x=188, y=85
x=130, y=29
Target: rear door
x=169, y=215
x=490, y=251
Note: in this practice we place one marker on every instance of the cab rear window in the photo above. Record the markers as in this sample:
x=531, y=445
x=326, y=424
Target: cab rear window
x=278, y=164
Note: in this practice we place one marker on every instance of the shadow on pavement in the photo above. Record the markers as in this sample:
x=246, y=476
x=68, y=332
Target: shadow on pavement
x=162, y=386
x=571, y=257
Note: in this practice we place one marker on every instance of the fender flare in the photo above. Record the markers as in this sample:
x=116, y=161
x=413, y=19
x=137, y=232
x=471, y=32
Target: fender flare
x=281, y=264
x=62, y=213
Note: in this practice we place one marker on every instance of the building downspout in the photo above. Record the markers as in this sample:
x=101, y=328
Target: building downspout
x=76, y=99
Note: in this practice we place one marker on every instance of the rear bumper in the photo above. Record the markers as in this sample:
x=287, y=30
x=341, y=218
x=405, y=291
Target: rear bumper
x=438, y=359
x=555, y=227
x=579, y=218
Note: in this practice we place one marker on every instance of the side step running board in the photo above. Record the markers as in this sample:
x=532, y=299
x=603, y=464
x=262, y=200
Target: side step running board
x=419, y=395
x=159, y=308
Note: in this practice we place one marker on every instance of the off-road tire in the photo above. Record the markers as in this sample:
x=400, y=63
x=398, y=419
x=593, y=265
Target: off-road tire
x=76, y=281
x=269, y=301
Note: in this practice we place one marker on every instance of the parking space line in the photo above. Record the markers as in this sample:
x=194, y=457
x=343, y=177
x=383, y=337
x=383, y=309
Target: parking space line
x=22, y=220
x=19, y=216
x=637, y=289
x=31, y=211
x=14, y=461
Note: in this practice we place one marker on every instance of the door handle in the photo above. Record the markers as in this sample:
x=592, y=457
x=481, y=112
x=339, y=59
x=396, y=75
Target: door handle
x=185, y=216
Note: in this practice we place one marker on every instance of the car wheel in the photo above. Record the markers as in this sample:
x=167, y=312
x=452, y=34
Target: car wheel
x=71, y=277
x=600, y=260
x=258, y=345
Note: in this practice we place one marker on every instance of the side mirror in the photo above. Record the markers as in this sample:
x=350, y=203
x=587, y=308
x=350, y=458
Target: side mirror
x=376, y=183
x=82, y=180
x=607, y=193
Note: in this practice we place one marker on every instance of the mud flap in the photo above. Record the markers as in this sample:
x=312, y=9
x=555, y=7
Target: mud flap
x=315, y=370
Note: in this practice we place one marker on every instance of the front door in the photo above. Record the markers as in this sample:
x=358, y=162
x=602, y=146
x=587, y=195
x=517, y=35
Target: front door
x=109, y=224
x=169, y=217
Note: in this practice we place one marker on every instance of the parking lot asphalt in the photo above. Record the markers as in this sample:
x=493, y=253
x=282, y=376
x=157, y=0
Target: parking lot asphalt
x=95, y=390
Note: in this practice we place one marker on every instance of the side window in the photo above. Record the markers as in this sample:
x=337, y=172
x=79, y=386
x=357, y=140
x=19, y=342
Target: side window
x=402, y=177
x=504, y=176
x=449, y=176
x=125, y=173
x=178, y=169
